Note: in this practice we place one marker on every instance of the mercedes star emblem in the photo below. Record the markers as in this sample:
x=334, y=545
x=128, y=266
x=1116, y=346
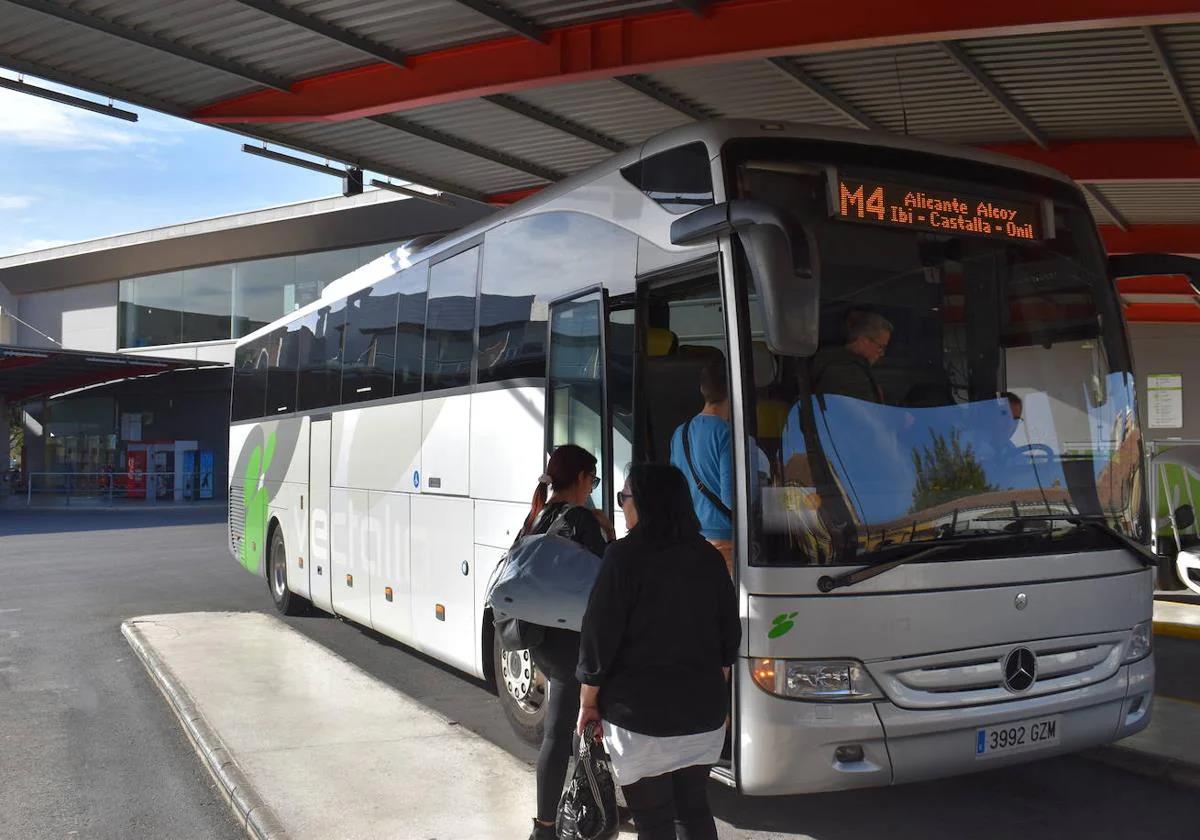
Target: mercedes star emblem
x=1020, y=670
x=1021, y=601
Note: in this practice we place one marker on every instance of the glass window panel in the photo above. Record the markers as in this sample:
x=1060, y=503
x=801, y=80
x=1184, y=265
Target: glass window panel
x=316, y=271
x=321, y=359
x=450, y=322
x=528, y=263
x=283, y=353
x=370, y=346
x=259, y=292
x=249, y=380
x=576, y=384
x=410, y=332
x=679, y=180
x=370, y=252
x=207, y=303
x=150, y=309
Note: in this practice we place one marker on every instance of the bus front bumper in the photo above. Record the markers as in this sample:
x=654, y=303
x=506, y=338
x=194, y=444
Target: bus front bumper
x=788, y=747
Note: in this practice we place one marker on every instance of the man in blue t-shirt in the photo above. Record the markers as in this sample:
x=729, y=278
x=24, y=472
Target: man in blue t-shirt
x=709, y=470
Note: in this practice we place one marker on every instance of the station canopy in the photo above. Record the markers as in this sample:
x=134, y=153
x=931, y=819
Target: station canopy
x=28, y=373
x=493, y=100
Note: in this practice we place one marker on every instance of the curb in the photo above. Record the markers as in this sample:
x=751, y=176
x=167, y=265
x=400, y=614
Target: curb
x=1175, y=630
x=1146, y=764
x=251, y=811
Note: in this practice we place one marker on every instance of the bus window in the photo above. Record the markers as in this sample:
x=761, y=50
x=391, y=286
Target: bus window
x=678, y=180
x=321, y=361
x=410, y=328
x=368, y=356
x=450, y=322
x=249, y=380
x=576, y=382
x=283, y=351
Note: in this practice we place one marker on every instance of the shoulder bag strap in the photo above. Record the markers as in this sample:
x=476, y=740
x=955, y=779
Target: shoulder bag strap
x=687, y=453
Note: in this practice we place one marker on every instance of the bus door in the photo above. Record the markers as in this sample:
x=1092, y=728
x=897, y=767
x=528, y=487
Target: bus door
x=682, y=333
x=576, y=392
x=319, y=571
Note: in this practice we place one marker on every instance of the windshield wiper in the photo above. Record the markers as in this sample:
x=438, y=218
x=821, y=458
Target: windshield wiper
x=1097, y=522
x=828, y=584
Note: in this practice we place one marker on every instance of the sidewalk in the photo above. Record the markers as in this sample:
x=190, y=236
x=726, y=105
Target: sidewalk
x=304, y=744
x=1177, y=619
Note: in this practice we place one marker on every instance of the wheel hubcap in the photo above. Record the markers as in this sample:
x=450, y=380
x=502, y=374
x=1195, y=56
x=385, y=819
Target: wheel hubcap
x=522, y=680
x=278, y=570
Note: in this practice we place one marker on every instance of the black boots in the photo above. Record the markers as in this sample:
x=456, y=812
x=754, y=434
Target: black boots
x=543, y=832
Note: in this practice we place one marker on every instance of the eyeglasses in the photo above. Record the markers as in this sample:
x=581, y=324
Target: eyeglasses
x=623, y=497
x=595, y=481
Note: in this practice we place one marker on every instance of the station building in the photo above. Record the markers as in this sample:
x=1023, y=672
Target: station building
x=116, y=353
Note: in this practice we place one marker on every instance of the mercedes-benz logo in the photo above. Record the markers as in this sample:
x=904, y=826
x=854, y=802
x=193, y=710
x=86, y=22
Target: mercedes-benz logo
x=1020, y=670
x=1021, y=601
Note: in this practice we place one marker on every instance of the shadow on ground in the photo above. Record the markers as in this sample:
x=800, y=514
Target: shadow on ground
x=22, y=521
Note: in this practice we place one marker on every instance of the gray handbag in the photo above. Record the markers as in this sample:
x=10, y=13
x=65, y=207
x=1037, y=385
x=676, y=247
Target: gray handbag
x=544, y=579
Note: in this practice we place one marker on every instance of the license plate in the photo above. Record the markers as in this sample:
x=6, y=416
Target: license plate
x=1018, y=736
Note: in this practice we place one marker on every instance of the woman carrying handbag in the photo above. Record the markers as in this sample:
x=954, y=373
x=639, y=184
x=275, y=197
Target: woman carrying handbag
x=561, y=501
x=659, y=636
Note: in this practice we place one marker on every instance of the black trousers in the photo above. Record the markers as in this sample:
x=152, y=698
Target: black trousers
x=673, y=806
x=556, y=657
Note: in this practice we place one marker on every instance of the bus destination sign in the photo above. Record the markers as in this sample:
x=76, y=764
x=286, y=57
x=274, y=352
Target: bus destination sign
x=910, y=206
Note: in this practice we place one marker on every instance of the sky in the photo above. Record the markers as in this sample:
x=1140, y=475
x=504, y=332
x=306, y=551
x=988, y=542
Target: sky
x=68, y=175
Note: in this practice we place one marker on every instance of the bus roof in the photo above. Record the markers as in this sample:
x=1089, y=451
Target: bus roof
x=714, y=133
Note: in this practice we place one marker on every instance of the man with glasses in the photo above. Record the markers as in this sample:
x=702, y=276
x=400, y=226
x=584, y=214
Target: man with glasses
x=846, y=370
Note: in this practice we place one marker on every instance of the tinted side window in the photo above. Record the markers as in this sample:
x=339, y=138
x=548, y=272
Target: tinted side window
x=410, y=328
x=450, y=322
x=369, y=353
x=678, y=180
x=321, y=360
x=283, y=351
x=528, y=263
x=249, y=380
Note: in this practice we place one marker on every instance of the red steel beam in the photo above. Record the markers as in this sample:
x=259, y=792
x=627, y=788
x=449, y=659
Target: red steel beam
x=1162, y=313
x=730, y=31
x=1137, y=159
x=1167, y=239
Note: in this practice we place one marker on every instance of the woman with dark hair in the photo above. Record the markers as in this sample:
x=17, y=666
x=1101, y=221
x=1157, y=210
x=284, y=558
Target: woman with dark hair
x=562, y=495
x=659, y=637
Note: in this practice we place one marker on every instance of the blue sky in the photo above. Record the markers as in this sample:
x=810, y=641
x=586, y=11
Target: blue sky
x=68, y=175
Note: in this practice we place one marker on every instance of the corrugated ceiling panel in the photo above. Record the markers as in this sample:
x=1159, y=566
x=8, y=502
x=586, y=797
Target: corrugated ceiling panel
x=1183, y=43
x=409, y=25
x=941, y=101
x=1154, y=202
x=28, y=36
x=232, y=31
x=496, y=128
x=567, y=12
x=755, y=89
x=609, y=107
x=1083, y=84
x=368, y=141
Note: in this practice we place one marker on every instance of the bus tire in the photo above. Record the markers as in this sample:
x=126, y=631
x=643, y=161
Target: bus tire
x=522, y=689
x=286, y=601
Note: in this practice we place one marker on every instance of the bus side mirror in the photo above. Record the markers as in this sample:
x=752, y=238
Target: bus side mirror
x=1185, y=517
x=786, y=277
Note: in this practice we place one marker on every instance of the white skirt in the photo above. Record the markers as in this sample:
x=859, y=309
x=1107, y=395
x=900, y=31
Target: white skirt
x=636, y=756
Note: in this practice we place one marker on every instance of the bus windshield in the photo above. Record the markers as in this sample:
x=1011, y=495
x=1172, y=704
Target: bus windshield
x=965, y=384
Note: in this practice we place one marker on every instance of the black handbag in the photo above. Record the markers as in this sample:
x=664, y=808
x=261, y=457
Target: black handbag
x=588, y=808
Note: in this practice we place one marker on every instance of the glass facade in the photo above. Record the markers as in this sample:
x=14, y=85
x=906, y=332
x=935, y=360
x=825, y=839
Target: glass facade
x=220, y=302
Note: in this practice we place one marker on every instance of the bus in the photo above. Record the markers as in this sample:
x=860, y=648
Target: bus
x=944, y=573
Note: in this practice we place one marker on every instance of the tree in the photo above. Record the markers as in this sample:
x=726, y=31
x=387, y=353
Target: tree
x=946, y=470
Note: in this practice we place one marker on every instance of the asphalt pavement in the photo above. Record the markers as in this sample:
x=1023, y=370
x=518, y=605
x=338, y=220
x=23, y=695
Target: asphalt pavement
x=89, y=749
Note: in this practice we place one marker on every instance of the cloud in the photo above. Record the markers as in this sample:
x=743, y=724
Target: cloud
x=29, y=121
x=14, y=202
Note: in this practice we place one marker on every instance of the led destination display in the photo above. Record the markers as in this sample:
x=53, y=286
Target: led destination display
x=910, y=206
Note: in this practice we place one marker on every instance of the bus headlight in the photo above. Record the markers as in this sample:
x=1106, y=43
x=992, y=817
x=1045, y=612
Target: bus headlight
x=1141, y=642
x=800, y=679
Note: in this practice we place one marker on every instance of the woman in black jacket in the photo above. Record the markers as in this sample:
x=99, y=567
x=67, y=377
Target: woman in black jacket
x=562, y=494
x=659, y=636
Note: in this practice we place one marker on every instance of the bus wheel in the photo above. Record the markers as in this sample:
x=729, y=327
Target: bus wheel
x=286, y=601
x=522, y=691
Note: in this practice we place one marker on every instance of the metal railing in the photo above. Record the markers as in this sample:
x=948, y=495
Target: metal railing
x=107, y=488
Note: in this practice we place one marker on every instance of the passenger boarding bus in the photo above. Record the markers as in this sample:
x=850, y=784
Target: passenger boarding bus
x=938, y=573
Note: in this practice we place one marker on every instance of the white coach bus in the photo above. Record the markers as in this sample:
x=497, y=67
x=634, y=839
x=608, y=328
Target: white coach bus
x=945, y=574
